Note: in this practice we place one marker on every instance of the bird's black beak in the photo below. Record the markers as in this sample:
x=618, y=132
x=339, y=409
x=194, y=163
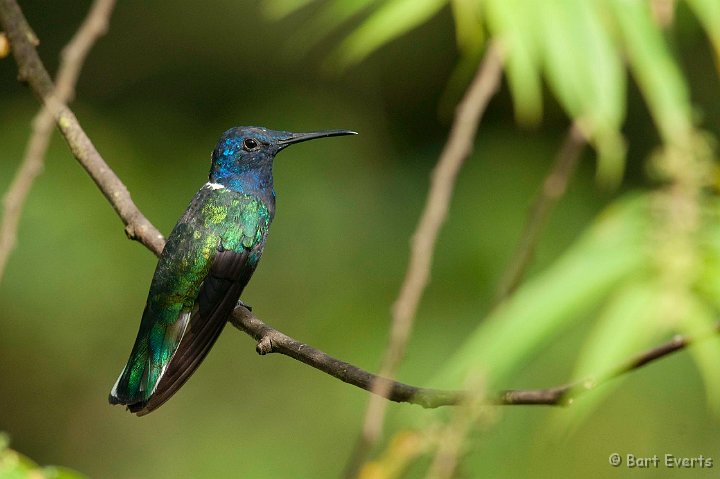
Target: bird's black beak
x=299, y=137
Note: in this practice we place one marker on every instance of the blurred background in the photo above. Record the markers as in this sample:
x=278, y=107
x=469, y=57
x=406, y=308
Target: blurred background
x=155, y=94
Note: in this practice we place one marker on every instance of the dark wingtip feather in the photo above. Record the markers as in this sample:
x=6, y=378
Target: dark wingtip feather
x=134, y=407
x=139, y=408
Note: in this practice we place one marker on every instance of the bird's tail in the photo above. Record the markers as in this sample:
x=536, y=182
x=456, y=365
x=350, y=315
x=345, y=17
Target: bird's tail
x=154, y=348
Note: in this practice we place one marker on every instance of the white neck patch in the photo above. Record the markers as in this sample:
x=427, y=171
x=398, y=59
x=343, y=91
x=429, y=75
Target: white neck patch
x=214, y=186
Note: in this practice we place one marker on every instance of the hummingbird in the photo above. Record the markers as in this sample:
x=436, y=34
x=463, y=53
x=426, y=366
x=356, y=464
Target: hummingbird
x=207, y=261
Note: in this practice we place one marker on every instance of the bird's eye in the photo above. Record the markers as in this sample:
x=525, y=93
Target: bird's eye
x=250, y=144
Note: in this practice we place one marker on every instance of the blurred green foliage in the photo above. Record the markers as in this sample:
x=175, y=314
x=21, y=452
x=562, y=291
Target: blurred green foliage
x=16, y=466
x=615, y=271
x=578, y=47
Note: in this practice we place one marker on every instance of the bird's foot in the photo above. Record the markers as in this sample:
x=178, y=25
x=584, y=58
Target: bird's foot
x=246, y=306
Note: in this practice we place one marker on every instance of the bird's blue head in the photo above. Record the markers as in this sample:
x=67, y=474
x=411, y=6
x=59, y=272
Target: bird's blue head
x=242, y=159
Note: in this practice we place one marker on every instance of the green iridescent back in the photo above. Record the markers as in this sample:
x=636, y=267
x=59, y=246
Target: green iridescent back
x=218, y=219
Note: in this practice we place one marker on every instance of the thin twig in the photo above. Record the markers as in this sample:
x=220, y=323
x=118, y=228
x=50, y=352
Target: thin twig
x=268, y=339
x=32, y=71
x=73, y=57
x=457, y=149
x=553, y=189
x=564, y=395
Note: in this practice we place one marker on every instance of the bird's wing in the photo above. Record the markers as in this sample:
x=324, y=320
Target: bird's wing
x=195, y=287
x=218, y=295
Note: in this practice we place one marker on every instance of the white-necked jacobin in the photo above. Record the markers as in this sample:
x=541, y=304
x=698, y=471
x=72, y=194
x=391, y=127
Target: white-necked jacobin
x=208, y=259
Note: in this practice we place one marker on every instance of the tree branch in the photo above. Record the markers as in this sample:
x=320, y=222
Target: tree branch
x=73, y=57
x=268, y=339
x=32, y=71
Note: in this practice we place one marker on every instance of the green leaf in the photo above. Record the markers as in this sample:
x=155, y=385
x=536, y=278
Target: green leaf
x=562, y=51
x=391, y=20
x=611, y=149
x=611, y=251
x=279, y=9
x=327, y=18
x=595, y=63
x=708, y=283
x=513, y=23
x=625, y=328
x=699, y=322
x=655, y=70
x=708, y=13
x=586, y=74
x=14, y=465
x=468, y=24
x=56, y=472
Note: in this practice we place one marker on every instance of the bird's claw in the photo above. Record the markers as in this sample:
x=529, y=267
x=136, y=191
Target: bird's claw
x=246, y=306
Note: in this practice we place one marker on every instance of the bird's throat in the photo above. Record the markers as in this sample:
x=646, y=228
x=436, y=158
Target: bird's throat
x=256, y=182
